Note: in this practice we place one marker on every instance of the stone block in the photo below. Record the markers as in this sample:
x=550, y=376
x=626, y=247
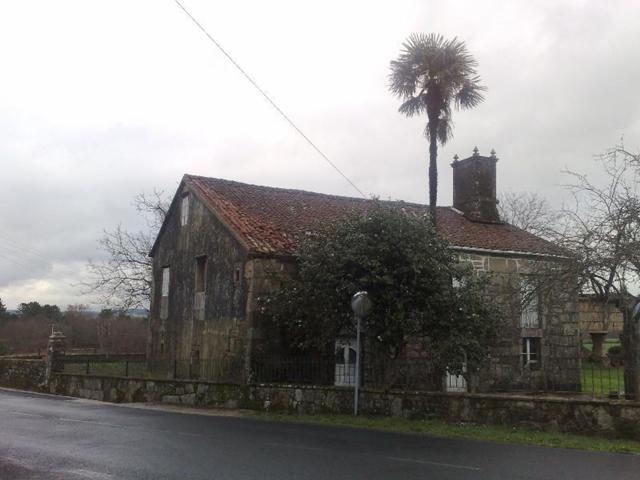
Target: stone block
x=171, y=399
x=396, y=407
x=203, y=388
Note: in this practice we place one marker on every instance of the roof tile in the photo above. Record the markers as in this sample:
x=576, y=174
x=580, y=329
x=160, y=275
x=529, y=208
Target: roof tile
x=269, y=219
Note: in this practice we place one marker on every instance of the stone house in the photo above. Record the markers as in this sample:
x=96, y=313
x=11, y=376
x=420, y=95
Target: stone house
x=224, y=243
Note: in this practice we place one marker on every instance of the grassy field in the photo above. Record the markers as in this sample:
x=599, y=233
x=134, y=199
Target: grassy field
x=439, y=428
x=602, y=381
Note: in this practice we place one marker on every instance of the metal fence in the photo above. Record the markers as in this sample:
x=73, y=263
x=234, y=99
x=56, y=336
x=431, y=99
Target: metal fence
x=104, y=366
x=506, y=374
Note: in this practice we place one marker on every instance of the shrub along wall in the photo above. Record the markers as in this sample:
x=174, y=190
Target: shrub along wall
x=26, y=374
x=605, y=417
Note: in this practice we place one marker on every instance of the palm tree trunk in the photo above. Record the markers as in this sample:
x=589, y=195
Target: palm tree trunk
x=433, y=169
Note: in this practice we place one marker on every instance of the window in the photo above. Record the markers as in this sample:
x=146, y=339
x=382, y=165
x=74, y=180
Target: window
x=201, y=270
x=165, y=281
x=200, y=286
x=529, y=304
x=164, y=300
x=345, y=362
x=184, y=210
x=531, y=352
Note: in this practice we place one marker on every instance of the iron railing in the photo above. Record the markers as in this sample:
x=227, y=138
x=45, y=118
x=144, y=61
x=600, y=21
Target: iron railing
x=560, y=375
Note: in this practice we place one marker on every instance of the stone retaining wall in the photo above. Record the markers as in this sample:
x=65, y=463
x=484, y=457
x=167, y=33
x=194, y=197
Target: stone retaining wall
x=574, y=415
x=22, y=374
x=127, y=389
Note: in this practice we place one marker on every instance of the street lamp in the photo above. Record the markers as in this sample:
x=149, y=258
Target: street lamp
x=361, y=306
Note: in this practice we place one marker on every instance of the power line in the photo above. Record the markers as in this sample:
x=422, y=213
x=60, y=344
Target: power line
x=268, y=98
x=22, y=249
x=15, y=261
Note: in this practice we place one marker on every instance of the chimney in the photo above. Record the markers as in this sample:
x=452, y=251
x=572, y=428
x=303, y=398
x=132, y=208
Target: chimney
x=474, y=187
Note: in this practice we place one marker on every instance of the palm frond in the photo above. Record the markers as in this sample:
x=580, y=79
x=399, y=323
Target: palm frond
x=470, y=94
x=444, y=130
x=430, y=75
x=413, y=106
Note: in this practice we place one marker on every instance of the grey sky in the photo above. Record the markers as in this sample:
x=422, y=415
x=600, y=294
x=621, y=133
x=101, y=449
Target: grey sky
x=101, y=100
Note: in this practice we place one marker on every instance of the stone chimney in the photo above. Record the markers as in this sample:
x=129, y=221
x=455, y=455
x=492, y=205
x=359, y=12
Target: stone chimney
x=474, y=187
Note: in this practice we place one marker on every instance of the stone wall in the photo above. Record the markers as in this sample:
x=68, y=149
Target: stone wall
x=573, y=415
x=22, y=374
x=557, y=331
x=131, y=390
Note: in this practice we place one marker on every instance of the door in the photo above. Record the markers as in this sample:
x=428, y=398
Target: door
x=345, y=368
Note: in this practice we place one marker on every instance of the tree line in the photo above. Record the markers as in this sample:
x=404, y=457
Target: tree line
x=109, y=331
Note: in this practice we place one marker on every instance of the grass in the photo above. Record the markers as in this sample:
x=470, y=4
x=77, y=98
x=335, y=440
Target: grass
x=602, y=381
x=439, y=428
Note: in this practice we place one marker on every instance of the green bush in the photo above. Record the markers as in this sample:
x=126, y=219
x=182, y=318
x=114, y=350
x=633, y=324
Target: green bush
x=3, y=349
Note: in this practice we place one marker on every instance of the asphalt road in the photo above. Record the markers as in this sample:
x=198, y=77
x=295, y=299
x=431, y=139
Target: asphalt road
x=47, y=437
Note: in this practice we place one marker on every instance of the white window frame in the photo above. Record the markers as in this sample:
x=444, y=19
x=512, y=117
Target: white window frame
x=166, y=276
x=184, y=210
x=526, y=354
x=529, y=307
x=345, y=372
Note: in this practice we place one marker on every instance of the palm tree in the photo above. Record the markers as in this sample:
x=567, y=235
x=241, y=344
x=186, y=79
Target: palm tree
x=430, y=74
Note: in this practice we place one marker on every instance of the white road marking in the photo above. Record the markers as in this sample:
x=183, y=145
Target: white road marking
x=89, y=474
x=437, y=464
x=291, y=445
x=92, y=422
x=184, y=434
x=24, y=414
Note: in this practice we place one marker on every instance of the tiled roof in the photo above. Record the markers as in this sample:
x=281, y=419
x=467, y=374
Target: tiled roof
x=267, y=219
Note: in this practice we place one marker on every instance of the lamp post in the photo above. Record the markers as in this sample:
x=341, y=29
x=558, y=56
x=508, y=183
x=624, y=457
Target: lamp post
x=361, y=306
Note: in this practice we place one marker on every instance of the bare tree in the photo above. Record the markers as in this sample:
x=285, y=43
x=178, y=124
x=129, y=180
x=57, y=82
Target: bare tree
x=602, y=228
x=528, y=211
x=123, y=281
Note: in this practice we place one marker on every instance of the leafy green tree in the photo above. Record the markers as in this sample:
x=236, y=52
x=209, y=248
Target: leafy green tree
x=30, y=309
x=419, y=291
x=430, y=74
x=35, y=309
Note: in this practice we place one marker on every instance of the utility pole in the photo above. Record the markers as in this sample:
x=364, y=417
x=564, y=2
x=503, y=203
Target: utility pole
x=361, y=306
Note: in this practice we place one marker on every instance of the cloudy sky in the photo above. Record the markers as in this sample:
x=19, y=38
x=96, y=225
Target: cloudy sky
x=101, y=100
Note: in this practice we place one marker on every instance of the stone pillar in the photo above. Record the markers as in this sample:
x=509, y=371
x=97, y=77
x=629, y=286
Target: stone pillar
x=55, y=355
x=631, y=347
